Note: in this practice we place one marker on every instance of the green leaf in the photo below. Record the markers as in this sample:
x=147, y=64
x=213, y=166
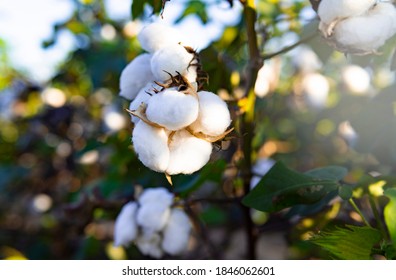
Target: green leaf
x=137, y=8
x=350, y=243
x=345, y=192
x=335, y=173
x=281, y=188
x=390, y=214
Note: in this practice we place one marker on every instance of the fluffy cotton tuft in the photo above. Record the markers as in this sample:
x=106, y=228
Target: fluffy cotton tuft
x=187, y=153
x=142, y=97
x=149, y=244
x=214, y=116
x=176, y=233
x=172, y=59
x=125, y=228
x=173, y=109
x=332, y=11
x=151, y=145
x=135, y=76
x=156, y=195
x=365, y=34
x=155, y=36
x=152, y=216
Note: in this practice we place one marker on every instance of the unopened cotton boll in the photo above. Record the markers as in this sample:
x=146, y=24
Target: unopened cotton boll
x=155, y=36
x=172, y=59
x=214, y=116
x=135, y=76
x=125, y=228
x=149, y=244
x=176, y=233
x=332, y=11
x=156, y=195
x=152, y=216
x=173, y=109
x=365, y=34
x=151, y=145
x=187, y=153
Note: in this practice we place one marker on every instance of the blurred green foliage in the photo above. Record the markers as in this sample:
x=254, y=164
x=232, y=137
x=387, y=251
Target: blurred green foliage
x=65, y=173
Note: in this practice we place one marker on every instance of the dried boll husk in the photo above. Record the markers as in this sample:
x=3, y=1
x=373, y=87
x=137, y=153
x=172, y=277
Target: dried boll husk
x=187, y=153
x=151, y=145
x=155, y=36
x=214, y=116
x=176, y=233
x=331, y=12
x=173, y=109
x=365, y=34
x=135, y=76
x=172, y=59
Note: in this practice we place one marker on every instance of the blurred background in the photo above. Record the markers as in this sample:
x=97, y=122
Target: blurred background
x=66, y=161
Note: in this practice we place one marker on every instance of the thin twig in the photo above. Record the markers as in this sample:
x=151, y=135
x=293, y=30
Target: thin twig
x=352, y=202
x=377, y=217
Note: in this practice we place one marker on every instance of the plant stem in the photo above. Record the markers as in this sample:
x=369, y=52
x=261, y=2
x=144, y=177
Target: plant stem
x=380, y=225
x=359, y=212
x=247, y=122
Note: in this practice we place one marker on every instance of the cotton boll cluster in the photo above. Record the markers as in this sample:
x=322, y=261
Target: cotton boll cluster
x=153, y=224
x=175, y=122
x=357, y=27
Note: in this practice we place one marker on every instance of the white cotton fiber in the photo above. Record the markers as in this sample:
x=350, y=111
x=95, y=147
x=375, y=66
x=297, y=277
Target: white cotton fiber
x=365, y=34
x=172, y=109
x=330, y=11
x=151, y=145
x=156, y=36
x=135, y=76
x=213, y=117
x=176, y=233
x=158, y=195
x=125, y=228
x=187, y=153
x=152, y=216
x=142, y=97
x=149, y=244
x=191, y=73
x=172, y=59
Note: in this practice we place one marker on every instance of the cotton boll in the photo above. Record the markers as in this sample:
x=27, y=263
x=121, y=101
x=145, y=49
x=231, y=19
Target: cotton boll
x=176, y=233
x=332, y=11
x=135, y=76
x=151, y=145
x=149, y=244
x=316, y=89
x=152, y=216
x=214, y=116
x=187, y=153
x=125, y=228
x=172, y=59
x=159, y=195
x=142, y=97
x=173, y=109
x=156, y=36
x=356, y=79
x=365, y=34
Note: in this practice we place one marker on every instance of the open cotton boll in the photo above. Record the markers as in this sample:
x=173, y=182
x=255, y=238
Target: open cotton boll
x=213, y=117
x=156, y=36
x=332, y=11
x=187, y=153
x=172, y=59
x=365, y=34
x=173, y=109
x=151, y=145
x=135, y=76
x=176, y=233
x=125, y=228
x=142, y=97
x=153, y=216
x=160, y=196
x=149, y=244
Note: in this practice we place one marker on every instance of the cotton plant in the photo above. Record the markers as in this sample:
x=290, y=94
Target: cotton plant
x=357, y=27
x=153, y=224
x=176, y=121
